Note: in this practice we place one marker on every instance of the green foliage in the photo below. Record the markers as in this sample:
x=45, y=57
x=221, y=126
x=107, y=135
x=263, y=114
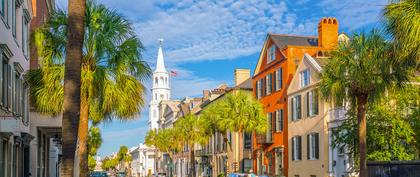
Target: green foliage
x=91, y=163
x=94, y=142
x=190, y=130
x=109, y=163
x=392, y=127
x=112, y=68
x=122, y=154
x=238, y=111
x=402, y=21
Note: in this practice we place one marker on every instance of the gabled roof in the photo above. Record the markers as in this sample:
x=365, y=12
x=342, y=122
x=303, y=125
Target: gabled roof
x=282, y=41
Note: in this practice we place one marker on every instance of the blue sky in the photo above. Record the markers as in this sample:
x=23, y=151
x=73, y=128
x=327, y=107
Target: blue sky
x=204, y=41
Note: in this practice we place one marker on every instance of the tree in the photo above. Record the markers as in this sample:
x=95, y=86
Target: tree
x=94, y=142
x=191, y=132
x=392, y=127
x=402, y=22
x=72, y=83
x=151, y=139
x=112, y=70
x=237, y=112
x=359, y=72
x=123, y=158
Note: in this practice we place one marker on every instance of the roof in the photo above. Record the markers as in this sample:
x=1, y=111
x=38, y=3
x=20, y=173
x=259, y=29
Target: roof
x=282, y=41
x=247, y=84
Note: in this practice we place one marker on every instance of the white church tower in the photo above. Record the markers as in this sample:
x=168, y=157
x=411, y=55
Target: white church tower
x=160, y=90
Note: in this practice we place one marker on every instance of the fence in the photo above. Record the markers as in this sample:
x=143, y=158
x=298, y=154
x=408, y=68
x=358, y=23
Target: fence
x=394, y=169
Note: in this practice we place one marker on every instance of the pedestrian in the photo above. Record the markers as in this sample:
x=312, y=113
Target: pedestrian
x=251, y=174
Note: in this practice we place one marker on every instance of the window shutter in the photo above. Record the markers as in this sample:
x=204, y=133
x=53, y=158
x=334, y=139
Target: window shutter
x=308, y=145
x=275, y=121
x=275, y=81
x=293, y=148
x=5, y=85
x=9, y=87
x=292, y=108
x=300, y=147
x=281, y=119
x=299, y=107
x=307, y=104
x=315, y=100
x=281, y=77
x=317, y=145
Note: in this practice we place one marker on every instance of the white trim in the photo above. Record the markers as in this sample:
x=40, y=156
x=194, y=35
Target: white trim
x=313, y=62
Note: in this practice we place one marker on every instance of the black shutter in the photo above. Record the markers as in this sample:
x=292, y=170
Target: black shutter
x=281, y=77
x=292, y=108
x=9, y=87
x=307, y=104
x=281, y=119
x=293, y=148
x=275, y=81
x=315, y=100
x=300, y=147
x=317, y=145
x=299, y=107
x=4, y=85
x=1, y=79
x=308, y=145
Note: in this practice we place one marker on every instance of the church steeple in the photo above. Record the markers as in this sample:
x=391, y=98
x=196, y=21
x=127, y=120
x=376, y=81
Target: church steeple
x=160, y=65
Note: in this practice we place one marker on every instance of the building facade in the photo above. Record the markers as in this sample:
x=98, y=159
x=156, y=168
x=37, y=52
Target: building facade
x=276, y=66
x=160, y=90
x=312, y=121
x=15, y=19
x=143, y=163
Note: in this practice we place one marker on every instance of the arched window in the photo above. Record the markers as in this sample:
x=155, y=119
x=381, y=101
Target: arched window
x=156, y=80
x=166, y=80
x=161, y=80
x=155, y=96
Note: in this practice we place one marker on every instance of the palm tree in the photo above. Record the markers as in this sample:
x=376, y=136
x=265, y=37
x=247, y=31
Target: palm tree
x=112, y=70
x=94, y=142
x=191, y=131
x=123, y=158
x=237, y=112
x=151, y=140
x=72, y=81
x=359, y=72
x=402, y=22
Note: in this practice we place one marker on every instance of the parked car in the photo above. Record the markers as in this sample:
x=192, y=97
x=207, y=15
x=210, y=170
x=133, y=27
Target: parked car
x=98, y=174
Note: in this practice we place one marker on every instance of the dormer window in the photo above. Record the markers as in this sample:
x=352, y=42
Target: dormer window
x=271, y=54
x=304, y=78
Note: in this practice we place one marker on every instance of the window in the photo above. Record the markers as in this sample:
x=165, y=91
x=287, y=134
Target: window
x=156, y=80
x=247, y=165
x=268, y=84
x=278, y=79
x=312, y=103
x=297, y=148
x=4, y=10
x=279, y=120
x=3, y=152
x=261, y=87
x=272, y=54
x=25, y=33
x=247, y=140
x=296, y=108
x=258, y=88
x=14, y=18
x=2, y=7
x=313, y=146
x=304, y=78
x=270, y=127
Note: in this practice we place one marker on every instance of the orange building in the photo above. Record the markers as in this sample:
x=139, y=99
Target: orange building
x=279, y=58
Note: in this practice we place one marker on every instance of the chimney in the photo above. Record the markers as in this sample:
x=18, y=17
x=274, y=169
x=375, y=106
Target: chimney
x=328, y=33
x=206, y=94
x=241, y=75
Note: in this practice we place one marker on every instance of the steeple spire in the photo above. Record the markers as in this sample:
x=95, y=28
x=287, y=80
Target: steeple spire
x=160, y=65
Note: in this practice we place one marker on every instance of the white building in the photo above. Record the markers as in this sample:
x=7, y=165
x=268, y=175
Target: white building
x=160, y=91
x=15, y=18
x=143, y=163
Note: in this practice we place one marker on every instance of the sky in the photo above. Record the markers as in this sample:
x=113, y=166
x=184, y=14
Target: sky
x=204, y=41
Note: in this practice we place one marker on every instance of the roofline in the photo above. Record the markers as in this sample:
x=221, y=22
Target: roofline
x=293, y=35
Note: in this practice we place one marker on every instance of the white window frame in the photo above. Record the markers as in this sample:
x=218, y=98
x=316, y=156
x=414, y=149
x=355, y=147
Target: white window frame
x=304, y=82
x=271, y=54
x=279, y=79
x=279, y=120
x=312, y=146
x=268, y=84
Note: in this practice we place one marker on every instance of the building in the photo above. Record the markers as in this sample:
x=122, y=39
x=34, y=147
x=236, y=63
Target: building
x=45, y=148
x=312, y=121
x=160, y=90
x=14, y=117
x=143, y=163
x=276, y=66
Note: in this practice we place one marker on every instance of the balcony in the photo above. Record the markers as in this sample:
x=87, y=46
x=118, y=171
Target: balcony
x=265, y=138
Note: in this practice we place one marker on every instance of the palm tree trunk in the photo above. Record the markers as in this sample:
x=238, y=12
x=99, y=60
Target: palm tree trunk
x=83, y=138
x=70, y=122
x=361, y=117
x=192, y=162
